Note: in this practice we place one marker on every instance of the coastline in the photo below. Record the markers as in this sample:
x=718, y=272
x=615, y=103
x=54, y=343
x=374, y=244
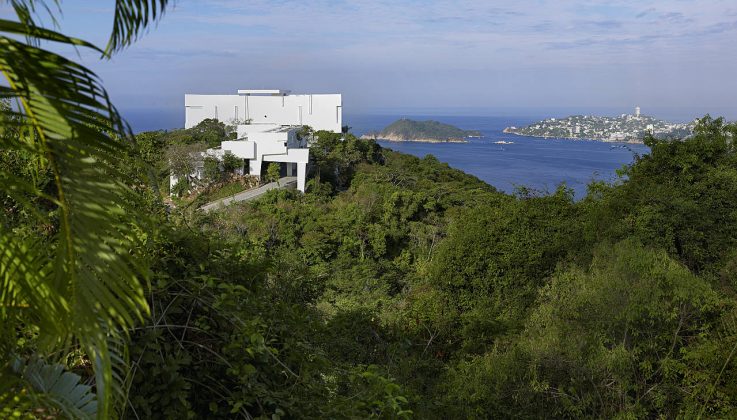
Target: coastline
x=395, y=139
x=631, y=141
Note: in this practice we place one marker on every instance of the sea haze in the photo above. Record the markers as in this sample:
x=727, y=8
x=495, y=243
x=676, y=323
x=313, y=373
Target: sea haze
x=541, y=164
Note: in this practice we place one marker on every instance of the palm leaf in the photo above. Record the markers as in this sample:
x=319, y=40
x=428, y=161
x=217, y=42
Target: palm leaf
x=53, y=387
x=90, y=290
x=41, y=388
x=25, y=10
x=131, y=18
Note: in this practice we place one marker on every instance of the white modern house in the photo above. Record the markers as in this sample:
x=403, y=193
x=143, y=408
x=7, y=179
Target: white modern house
x=267, y=123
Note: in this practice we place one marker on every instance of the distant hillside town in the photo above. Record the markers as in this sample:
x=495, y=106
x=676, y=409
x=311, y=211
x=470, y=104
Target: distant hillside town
x=631, y=128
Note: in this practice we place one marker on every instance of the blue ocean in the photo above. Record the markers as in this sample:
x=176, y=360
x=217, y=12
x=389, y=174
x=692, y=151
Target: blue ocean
x=542, y=164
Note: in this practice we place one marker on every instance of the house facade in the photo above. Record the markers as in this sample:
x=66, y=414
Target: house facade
x=267, y=124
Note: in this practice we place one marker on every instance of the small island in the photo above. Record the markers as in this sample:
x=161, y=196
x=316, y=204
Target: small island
x=624, y=128
x=422, y=131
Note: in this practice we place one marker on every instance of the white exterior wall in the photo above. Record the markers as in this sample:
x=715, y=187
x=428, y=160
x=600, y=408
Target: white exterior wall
x=241, y=149
x=321, y=112
x=220, y=107
x=293, y=156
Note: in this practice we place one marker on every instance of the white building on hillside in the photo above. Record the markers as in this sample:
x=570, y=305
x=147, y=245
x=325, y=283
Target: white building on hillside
x=267, y=124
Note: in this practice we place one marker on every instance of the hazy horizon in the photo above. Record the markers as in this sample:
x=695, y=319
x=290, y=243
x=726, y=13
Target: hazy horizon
x=675, y=59
x=145, y=119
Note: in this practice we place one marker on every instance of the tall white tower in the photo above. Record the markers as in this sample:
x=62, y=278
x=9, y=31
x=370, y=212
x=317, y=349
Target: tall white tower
x=637, y=111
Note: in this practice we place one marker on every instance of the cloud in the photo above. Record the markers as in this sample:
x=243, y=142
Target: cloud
x=375, y=48
x=645, y=13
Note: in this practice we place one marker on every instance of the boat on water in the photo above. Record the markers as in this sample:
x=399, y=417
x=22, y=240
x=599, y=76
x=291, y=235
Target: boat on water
x=503, y=142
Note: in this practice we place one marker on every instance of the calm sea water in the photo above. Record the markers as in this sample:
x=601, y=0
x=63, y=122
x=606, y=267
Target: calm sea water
x=537, y=163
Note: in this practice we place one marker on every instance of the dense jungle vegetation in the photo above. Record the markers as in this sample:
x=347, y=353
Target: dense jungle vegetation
x=400, y=286
x=396, y=287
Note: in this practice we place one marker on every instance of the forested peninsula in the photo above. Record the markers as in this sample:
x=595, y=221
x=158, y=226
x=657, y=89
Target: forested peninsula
x=422, y=131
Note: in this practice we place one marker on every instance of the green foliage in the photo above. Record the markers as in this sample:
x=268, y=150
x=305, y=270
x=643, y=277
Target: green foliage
x=336, y=157
x=226, y=339
x=183, y=159
x=210, y=132
x=675, y=195
x=50, y=391
x=621, y=339
x=231, y=162
x=211, y=169
x=273, y=172
x=80, y=283
x=182, y=187
x=151, y=146
x=487, y=305
x=179, y=137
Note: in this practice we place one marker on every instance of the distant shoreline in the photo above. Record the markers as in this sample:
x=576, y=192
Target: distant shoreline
x=401, y=140
x=508, y=130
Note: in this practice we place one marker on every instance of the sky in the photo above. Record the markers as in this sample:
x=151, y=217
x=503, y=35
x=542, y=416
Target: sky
x=676, y=59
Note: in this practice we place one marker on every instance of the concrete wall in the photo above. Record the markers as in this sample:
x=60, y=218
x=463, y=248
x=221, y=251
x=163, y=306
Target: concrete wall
x=321, y=112
x=221, y=107
x=293, y=156
x=241, y=149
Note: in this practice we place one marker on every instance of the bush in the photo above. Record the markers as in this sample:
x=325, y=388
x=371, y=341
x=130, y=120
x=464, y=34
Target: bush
x=273, y=172
x=211, y=169
x=231, y=162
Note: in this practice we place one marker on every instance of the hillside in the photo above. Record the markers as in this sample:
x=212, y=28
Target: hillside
x=398, y=287
x=418, y=289
x=422, y=131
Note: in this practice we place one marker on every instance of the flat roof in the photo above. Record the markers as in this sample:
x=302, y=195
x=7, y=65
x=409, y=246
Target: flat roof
x=263, y=92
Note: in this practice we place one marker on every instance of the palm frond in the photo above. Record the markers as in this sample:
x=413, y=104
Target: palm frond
x=41, y=388
x=131, y=19
x=91, y=289
x=28, y=10
x=39, y=33
x=59, y=389
x=23, y=269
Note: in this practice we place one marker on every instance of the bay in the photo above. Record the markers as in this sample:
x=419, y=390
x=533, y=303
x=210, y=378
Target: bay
x=541, y=164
